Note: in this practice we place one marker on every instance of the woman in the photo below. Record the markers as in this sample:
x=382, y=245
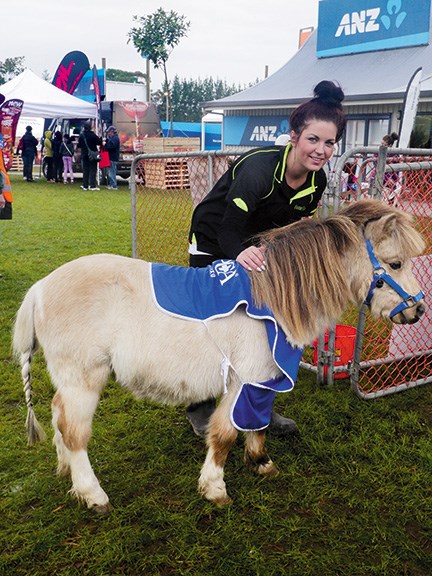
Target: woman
x=266, y=188
x=67, y=152
x=28, y=153
x=88, y=140
x=57, y=156
x=49, y=156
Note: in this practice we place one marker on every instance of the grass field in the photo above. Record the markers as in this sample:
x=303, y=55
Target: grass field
x=353, y=497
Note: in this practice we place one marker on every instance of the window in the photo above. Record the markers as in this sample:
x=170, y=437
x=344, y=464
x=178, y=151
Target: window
x=355, y=133
x=377, y=129
x=364, y=131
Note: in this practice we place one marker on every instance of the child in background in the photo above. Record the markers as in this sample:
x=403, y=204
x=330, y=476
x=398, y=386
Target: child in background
x=391, y=183
x=67, y=152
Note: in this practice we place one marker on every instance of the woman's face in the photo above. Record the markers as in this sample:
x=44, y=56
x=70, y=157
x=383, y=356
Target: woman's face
x=313, y=146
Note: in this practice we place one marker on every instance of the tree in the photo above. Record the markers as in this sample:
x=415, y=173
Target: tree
x=187, y=97
x=155, y=38
x=11, y=67
x=123, y=76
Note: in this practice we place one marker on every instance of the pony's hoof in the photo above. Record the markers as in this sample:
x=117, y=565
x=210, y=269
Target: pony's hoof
x=102, y=509
x=215, y=494
x=223, y=501
x=262, y=466
x=268, y=469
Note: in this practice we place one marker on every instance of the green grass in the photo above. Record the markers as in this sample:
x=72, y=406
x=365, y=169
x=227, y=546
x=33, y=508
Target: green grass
x=353, y=497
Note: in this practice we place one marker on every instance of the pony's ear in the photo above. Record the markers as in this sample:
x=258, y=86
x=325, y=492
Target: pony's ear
x=383, y=227
x=389, y=224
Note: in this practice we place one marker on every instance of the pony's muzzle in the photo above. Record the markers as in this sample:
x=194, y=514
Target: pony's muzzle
x=410, y=315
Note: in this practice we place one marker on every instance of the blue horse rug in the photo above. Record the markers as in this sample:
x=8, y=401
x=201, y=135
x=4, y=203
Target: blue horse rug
x=202, y=294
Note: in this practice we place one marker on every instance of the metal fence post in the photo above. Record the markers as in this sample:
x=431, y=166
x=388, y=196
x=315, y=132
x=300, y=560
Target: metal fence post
x=380, y=170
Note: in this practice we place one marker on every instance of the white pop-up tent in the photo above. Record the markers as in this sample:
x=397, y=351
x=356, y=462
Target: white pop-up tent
x=44, y=100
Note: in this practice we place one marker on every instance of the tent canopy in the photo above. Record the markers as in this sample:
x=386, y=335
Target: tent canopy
x=44, y=100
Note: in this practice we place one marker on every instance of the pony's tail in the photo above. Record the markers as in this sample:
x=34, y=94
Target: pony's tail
x=24, y=344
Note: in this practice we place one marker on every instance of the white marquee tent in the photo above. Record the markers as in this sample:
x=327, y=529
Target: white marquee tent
x=44, y=100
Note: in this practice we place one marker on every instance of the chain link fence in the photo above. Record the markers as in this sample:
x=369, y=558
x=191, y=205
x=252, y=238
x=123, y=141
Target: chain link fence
x=165, y=188
x=382, y=358
x=378, y=357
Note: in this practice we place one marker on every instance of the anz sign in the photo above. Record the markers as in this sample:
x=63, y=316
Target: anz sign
x=254, y=130
x=352, y=26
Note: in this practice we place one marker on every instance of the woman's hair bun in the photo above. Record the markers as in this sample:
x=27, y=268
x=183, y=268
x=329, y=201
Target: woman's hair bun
x=329, y=93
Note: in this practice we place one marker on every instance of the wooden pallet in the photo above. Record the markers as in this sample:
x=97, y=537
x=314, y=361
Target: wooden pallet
x=17, y=163
x=155, y=145
x=167, y=174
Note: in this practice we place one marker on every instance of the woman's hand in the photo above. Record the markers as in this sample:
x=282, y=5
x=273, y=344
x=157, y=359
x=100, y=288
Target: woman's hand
x=252, y=258
x=2, y=201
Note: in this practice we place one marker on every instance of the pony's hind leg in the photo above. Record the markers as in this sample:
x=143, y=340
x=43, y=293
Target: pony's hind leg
x=73, y=407
x=256, y=456
x=221, y=435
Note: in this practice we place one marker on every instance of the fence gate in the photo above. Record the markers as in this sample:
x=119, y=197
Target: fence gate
x=385, y=358
x=378, y=357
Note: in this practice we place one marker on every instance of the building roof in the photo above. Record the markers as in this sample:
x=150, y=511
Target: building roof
x=369, y=76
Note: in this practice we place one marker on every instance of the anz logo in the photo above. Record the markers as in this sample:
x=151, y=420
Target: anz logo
x=264, y=133
x=370, y=20
x=269, y=132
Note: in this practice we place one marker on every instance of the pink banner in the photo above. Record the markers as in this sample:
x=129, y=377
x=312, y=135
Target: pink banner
x=70, y=71
x=10, y=112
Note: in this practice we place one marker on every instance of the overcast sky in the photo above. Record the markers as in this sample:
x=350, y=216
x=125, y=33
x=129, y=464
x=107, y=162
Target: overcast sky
x=232, y=40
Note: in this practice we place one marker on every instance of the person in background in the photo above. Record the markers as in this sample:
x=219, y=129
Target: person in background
x=112, y=145
x=49, y=160
x=88, y=140
x=28, y=144
x=67, y=152
x=391, y=179
x=389, y=139
x=263, y=189
x=57, y=157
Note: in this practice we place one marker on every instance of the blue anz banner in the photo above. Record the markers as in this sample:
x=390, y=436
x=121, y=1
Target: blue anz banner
x=254, y=130
x=353, y=26
x=86, y=89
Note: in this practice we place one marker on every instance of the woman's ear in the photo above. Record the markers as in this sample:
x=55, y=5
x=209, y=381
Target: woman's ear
x=293, y=137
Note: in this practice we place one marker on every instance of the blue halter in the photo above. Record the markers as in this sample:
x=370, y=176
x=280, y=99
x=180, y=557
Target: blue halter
x=381, y=276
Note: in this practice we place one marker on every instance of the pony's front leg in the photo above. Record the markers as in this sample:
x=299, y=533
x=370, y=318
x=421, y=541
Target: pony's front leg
x=256, y=456
x=221, y=435
x=73, y=411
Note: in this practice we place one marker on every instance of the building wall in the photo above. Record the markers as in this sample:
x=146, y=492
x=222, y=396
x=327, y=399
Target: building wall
x=366, y=123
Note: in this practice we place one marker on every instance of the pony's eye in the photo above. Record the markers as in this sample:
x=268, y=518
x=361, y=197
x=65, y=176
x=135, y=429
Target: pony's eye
x=395, y=265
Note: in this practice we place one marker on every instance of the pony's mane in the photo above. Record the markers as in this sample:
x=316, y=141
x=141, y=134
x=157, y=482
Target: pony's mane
x=305, y=283
x=403, y=232
x=364, y=211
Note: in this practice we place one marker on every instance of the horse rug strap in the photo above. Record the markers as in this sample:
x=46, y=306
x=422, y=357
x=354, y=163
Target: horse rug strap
x=202, y=294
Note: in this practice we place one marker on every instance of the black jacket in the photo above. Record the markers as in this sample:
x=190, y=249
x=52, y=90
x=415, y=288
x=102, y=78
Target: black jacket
x=113, y=147
x=252, y=197
x=29, y=143
x=93, y=142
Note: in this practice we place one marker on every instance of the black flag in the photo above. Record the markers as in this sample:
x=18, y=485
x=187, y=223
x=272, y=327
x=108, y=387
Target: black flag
x=70, y=71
